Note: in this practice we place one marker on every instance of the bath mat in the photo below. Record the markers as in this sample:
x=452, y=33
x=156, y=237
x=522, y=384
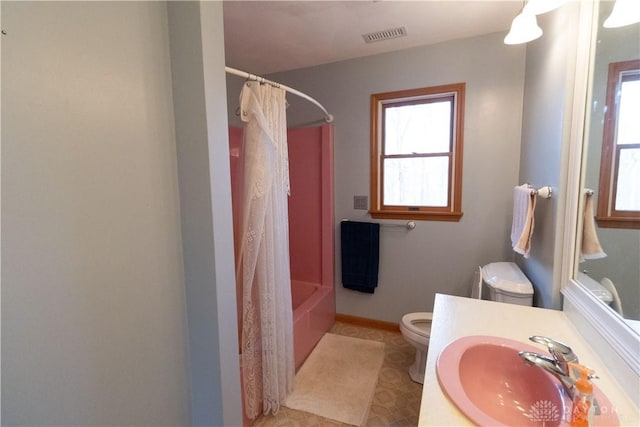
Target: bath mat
x=338, y=379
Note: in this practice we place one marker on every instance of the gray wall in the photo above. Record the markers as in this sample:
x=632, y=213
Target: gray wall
x=548, y=98
x=197, y=65
x=94, y=177
x=436, y=256
x=93, y=328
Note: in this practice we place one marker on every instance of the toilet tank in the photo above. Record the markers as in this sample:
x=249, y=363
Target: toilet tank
x=507, y=283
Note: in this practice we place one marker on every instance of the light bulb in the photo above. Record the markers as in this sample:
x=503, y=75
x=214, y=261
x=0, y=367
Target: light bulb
x=524, y=28
x=625, y=12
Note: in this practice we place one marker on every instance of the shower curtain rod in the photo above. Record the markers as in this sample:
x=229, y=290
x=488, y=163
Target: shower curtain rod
x=327, y=117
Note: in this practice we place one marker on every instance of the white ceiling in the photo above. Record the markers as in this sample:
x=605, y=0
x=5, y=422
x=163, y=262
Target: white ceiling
x=268, y=36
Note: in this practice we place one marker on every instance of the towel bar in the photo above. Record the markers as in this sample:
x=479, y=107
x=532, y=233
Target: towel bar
x=410, y=225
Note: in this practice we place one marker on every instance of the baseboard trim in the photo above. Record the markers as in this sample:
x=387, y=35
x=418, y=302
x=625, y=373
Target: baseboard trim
x=367, y=323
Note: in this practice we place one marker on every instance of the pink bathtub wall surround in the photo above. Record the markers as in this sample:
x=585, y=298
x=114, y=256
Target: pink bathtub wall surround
x=311, y=235
x=311, y=232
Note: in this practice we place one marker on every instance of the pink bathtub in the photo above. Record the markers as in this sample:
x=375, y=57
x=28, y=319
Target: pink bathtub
x=314, y=310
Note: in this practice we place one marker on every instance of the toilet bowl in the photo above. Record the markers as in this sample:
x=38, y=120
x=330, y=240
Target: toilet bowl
x=416, y=330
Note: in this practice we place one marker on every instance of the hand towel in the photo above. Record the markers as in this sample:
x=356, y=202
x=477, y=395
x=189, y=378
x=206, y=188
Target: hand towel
x=524, y=205
x=591, y=248
x=360, y=244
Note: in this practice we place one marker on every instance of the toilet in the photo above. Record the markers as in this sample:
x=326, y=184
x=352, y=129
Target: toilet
x=416, y=330
x=505, y=282
x=605, y=291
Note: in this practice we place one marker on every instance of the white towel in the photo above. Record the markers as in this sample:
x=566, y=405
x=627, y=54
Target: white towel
x=591, y=248
x=524, y=205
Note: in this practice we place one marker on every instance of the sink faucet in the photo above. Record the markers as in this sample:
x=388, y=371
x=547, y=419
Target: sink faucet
x=550, y=365
x=562, y=353
x=558, y=365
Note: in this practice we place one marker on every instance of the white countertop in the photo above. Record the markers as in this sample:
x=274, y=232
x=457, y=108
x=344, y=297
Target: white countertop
x=456, y=317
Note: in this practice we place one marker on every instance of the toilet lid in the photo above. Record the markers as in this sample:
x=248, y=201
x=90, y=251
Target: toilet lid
x=507, y=277
x=596, y=288
x=418, y=323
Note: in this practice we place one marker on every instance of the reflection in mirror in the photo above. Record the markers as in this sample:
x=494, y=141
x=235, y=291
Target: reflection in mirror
x=613, y=274
x=619, y=201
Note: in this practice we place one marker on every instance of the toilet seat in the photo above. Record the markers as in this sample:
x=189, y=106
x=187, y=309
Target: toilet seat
x=418, y=324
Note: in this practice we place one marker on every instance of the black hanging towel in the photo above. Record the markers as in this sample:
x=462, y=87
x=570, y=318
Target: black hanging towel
x=360, y=243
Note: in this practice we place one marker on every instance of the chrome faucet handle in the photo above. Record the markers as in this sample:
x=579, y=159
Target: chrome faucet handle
x=547, y=363
x=550, y=365
x=560, y=351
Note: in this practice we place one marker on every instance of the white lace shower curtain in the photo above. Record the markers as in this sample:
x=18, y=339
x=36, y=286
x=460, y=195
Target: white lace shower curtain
x=267, y=322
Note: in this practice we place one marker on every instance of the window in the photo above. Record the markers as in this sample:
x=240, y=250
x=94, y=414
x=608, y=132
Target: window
x=619, y=191
x=416, y=153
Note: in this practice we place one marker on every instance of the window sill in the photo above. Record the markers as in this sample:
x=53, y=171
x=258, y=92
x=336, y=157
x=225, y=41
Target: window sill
x=611, y=222
x=419, y=216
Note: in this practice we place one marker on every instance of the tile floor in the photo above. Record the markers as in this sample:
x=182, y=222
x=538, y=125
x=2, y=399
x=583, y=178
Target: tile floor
x=396, y=401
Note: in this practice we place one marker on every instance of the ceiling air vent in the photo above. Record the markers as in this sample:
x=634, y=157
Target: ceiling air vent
x=379, y=36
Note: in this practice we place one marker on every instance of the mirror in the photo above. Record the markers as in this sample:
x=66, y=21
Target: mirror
x=615, y=278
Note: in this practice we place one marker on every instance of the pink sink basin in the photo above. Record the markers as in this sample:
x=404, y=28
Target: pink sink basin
x=486, y=379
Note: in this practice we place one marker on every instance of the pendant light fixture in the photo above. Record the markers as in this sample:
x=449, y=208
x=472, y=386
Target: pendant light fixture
x=625, y=12
x=524, y=28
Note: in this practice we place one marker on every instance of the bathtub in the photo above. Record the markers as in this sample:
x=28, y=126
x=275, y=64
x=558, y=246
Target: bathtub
x=314, y=310
x=313, y=315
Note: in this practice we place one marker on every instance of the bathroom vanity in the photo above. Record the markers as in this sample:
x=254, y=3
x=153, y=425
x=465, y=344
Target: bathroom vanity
x=457, y=317
x=601, y=338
